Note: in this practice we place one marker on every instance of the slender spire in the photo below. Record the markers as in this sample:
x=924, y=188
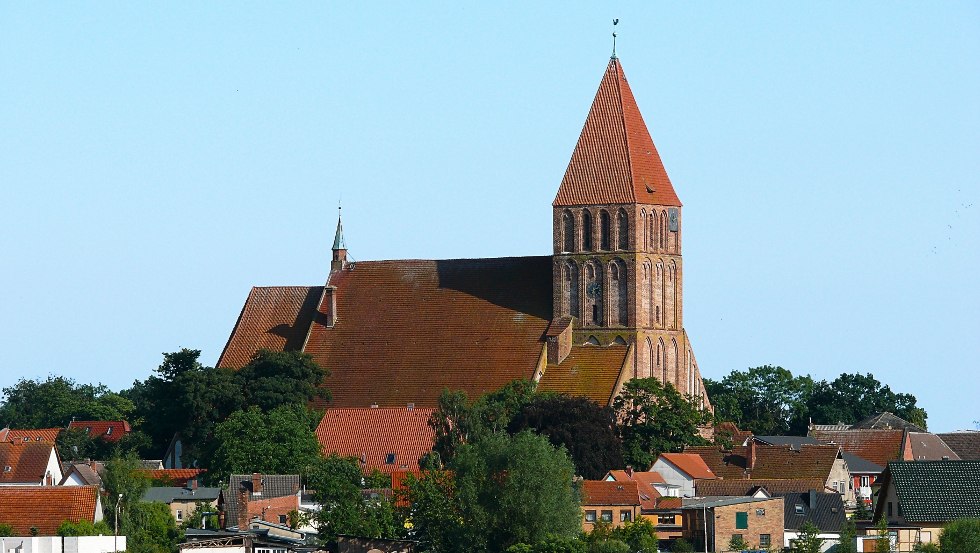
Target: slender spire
x=615, y=22
x=338, y=239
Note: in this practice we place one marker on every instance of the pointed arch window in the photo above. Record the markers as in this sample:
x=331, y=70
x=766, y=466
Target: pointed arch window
x=587, y=230
x=652, y=226
x=571, y=289
x=622, y=230
x=604, y=231
x=662, y=361
x=619, y=293
x=643, y=229
x=674, y=364
x=593, y=294
x=663, y=230
x=568, y=231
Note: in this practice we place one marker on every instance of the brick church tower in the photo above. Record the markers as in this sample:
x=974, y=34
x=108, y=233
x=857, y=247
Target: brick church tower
x=617, y=266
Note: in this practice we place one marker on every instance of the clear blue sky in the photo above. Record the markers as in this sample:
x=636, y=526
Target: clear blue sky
x=158, y=160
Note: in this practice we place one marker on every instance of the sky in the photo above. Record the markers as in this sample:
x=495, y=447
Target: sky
x=157, y=160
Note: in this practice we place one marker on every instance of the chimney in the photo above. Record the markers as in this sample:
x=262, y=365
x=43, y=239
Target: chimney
x=813, y=500
x=629, y=471
x=256, y=483
x=558, y=339
x=750, y=455
x=48, y=479
x=328, y=305
x=193, y=485
x=242, y=509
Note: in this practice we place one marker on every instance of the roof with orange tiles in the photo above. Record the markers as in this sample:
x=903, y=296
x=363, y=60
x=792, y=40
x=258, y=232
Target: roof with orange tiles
x=615, y=160
x=604, y=492
x=270, y=509
x=30, y=435
x=274, y=318
x=588, y=371
x=178, y=477
x=691, y=463
x=644, y=484
x=406, y=330
x=110, y=431
x=46, y=507
x=670, y=503
x=877, y=446
x=24, y=462
x=776, y=462
x=387, y=439
x=741, y=486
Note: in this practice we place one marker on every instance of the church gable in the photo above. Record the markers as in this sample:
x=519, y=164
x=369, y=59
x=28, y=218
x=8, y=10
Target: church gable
x=275, y=318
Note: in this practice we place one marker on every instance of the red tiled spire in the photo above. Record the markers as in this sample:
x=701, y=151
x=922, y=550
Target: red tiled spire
x=615, y=161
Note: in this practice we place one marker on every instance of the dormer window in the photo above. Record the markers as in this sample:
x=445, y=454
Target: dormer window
x=108, y=431
x=799, y=509
x=27, y=438
x=7, y=468
x=390, y=459
x=88, y=428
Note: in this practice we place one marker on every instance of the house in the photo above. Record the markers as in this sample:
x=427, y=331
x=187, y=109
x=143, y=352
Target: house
x=646, y=483
x=864, y=475
x=29, y=435
x=755, y=461
x=966, y=443
x=876, y=445
x=605, y=306
x=652, y=487
x=233, y=502
x=681, y=471
x=83, y=474
x=823, y=510
x=612, y=502
x=29, y=464
x=886, y=421
x=927, y=446
x=110, y=431
x=46, y=507
x=918, y=498
x=385, y=439
x=757, y=487
x=184, y=500
x=715, y=521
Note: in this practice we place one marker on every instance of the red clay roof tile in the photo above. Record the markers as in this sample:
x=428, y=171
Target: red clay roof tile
x=741, y=486
x=110, y=431
x=33, y=435
x=690, y=463
x=775, y=462
x=604, y=492
x=46, y=507
x=588, y=371
x=177, y=477
x=274, y=318
x=644, y=483
x=374, y=435
x=877, y=446
x=615, y=160
x=24, y=462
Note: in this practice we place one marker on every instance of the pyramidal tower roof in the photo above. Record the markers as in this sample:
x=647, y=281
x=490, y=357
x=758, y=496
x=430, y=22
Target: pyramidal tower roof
x=615, y=161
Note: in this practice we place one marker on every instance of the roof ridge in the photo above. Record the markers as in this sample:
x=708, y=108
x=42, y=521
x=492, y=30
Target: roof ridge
x=626, y=133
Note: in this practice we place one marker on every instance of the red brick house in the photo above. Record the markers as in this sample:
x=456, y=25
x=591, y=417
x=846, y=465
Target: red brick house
x=612, y=502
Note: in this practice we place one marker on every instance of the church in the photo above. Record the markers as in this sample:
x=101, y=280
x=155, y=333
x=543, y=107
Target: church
x=605, y=307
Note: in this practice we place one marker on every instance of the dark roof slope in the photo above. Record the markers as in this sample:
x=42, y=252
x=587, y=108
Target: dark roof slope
x=168, y=494
x=406, y=330
x=386, y=439
x=877, y=446
x=776, y=462
x=927, y=446
x=588, y=371
x=748, y=486
x=46, y=507
x=615, y=160
x=966, y=443
x=793, y=441
x=886, y=421
x=859, y=465
x=824, y=510
x=24, y=462
x=935, y=491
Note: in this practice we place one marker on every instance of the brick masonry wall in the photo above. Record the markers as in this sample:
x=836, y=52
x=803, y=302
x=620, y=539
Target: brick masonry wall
x=769, y=523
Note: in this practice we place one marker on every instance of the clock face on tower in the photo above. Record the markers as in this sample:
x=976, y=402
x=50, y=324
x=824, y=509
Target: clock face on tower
x=594, y=290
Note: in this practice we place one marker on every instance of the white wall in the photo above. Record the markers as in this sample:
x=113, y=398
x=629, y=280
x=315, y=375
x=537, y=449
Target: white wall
x=829, y=540
x=675, y=476
x=56, y=544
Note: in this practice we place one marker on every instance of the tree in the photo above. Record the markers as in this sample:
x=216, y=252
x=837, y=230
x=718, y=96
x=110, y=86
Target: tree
x=54, y=402
x=884, y=543
x=767, y=400
x=338, y=484
x=278, y=442
x=6, y=530
x=655, y=418
x=737, y=543
x=962, y=535
x=83, y=528
x=854, y=397
x=809, y=540
x=123, y=476
x=149, y=528
x=582, y=427
x=640, y=535
x=681, y=545
x=848, y=535
x=273, y=379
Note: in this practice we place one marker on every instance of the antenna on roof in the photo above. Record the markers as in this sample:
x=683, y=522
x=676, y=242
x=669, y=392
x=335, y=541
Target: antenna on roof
x=615, y=22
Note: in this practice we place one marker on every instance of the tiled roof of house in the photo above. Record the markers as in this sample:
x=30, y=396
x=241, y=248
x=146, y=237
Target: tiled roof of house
x=615, y=160
x=274, y=318
x=793, y=441
x=860, y=465
x=966, y=443
x=258, y=508
x=24, y=462
x=386, y=439
x=744, y=486
x=406, y=330
x=691, y=463
x=273, y=485
x=886, y=421
x=927, y=446
x=777, y=462
x=86, y=473
x=169, y=494
x=588, y=371
x=824, y=510
x=644, y=484
x=877, y=446
x=670, y=503
x=110, y=431
x=604, y=492
x=46, y=507
x=935, y=491
x=29, y=435
x=178, y=477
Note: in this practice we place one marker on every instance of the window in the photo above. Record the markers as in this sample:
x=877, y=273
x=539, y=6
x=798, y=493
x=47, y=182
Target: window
x=737, y=537
x=799, y=509
x=282, y=519
x=889, y=508
x=180, y=515
x=108, y=431
x=742, y=520
x=606, y=516
x=604, y=231
x=843, y=486
x=589, y=516
x=625, y=516
x=390, y=459
x=865, y=481
x=622, y=230
x=568, y=231
x=900, y=509
x=586, y=231
x=760, y=512
x=834, y=484
x=764, y=540
x=665, y=519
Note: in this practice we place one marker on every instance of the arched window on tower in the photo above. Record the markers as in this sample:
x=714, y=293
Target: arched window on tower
x=643, y=230
x=645, y=291
x=622, y=229
x=673, y=318
x=619, y=293
x=663, y=230
x=662, y=361
x=652, y=225
x=587, y=230
x=604, y=231
x=674, y=365
x=567, y=231
x=593, y=294
x=571, y=289
x=651, y=362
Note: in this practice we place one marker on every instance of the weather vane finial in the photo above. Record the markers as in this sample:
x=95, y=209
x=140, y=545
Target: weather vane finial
x=615, y=22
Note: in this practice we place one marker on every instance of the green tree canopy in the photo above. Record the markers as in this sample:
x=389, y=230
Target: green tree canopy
x=962, y=536
x=338, y=484
x=854, y=397
x=585, y=429
x=655, y=418
x=809, y=540
x=767, y=400
x=54, y=402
